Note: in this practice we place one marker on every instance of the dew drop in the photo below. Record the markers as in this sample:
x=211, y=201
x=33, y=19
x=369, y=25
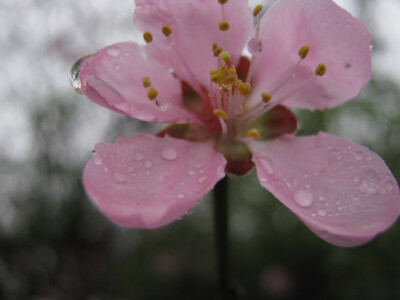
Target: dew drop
x=162, y=104
x=191, y=173
x=129, y=170
x=119, y=177
x=370, y=181
x=148, y=164
x=161, y=179
x=117, y=67
x=303, y=197
x=114, y=52
x=202, y=179
x=389, y=186
x=138, y=156
x=358, y=155
x=321, y=212
x=74, y=77
x=181, y=196
x=220, y=172
x=198, y=166
x=266, y=163
x=97, y=160
x=169, y=154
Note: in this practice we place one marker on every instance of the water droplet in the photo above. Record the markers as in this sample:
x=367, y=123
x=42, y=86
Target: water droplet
x=266, y=163
x=370, y=181
x=113, y=51
x=202, y=179
x=163, y=104
x=255, y=46
x=161, y=179
x=119, y=177
x=355, y=196
x=220, y=172
x=189, y=211
x=358, y=155
x=97, y=160
x=198, y=166
x=74, y=77
x=117, y=67
x=303, y=197
x=181, y=196
x=191, y=173
x=340, y=208
x=138, y=156
x=169, y=154
x=321, y=212
x=389, y=186
x=105, y=170
x=148, y=164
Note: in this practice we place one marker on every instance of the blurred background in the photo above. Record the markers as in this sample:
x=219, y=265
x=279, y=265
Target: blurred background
x=55, y=245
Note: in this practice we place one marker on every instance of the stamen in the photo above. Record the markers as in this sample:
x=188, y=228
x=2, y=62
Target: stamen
x=266, y=97
x=304, y=51
x=148, y=37
x=146, y=82
x=320, y=70
x=257, y=10
x=224, y=55
x=253, y=133
x=216, y=49
x=166, y=30
x=244, y=88
x=152, y=93
x=221, y=113
x=224, y=25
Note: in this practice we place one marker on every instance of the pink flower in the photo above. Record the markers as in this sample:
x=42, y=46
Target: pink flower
x=228, y=116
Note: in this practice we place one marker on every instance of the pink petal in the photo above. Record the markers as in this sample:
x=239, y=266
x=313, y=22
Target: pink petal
x=113, y=78
x=344, y=192
x=194, y=28
x=336, y=39
x=145, y=181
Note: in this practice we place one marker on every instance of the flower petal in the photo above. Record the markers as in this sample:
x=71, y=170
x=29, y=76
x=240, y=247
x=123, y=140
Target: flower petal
x=344, y=192
x=336, y=39
x=145, y=181
x=113, y=78
x=194, y=29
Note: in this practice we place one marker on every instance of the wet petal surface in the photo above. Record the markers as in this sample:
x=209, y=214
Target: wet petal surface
x=147, y=181
x=344, y=192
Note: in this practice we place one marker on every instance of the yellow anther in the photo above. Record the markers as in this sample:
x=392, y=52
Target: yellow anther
x=232, y=70
x=253, y=133
x=222, y=1
x=225, y=57
x=146, y=82
x=304, y=51
x=166, y=30
x=214, y=46
x=221, y=113
x=320, y=70
x=218, y=51
x=152, y=93
x=224, y=25
x=266, y=96
x=244, y=88
x=257, y=9
x=148, y=37
x=230, y=79
x=215, y=77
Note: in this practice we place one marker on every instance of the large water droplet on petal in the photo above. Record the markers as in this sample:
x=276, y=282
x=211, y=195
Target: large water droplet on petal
x=74, y=77
x=113, y=51
x=163, y=104
x=358, y=154
x=370, y=181
x=303, y=197
x=202, y=179
x=266, y=163
x=169, y=153
x=322, y=212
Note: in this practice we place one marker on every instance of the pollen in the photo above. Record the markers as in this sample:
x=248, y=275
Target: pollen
x=304, y=51
x=244, y=88
x=217, y=50
x=257, y=9
x=224, y=25
x=166, y=30
x=253, y=133
x=148, y=37
x=221, y=113
x=266, y=96
x=146, y=82
x=152, y=93
x=320, y=70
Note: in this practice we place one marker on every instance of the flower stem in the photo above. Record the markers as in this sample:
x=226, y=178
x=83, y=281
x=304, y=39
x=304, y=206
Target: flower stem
x=221, y=233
